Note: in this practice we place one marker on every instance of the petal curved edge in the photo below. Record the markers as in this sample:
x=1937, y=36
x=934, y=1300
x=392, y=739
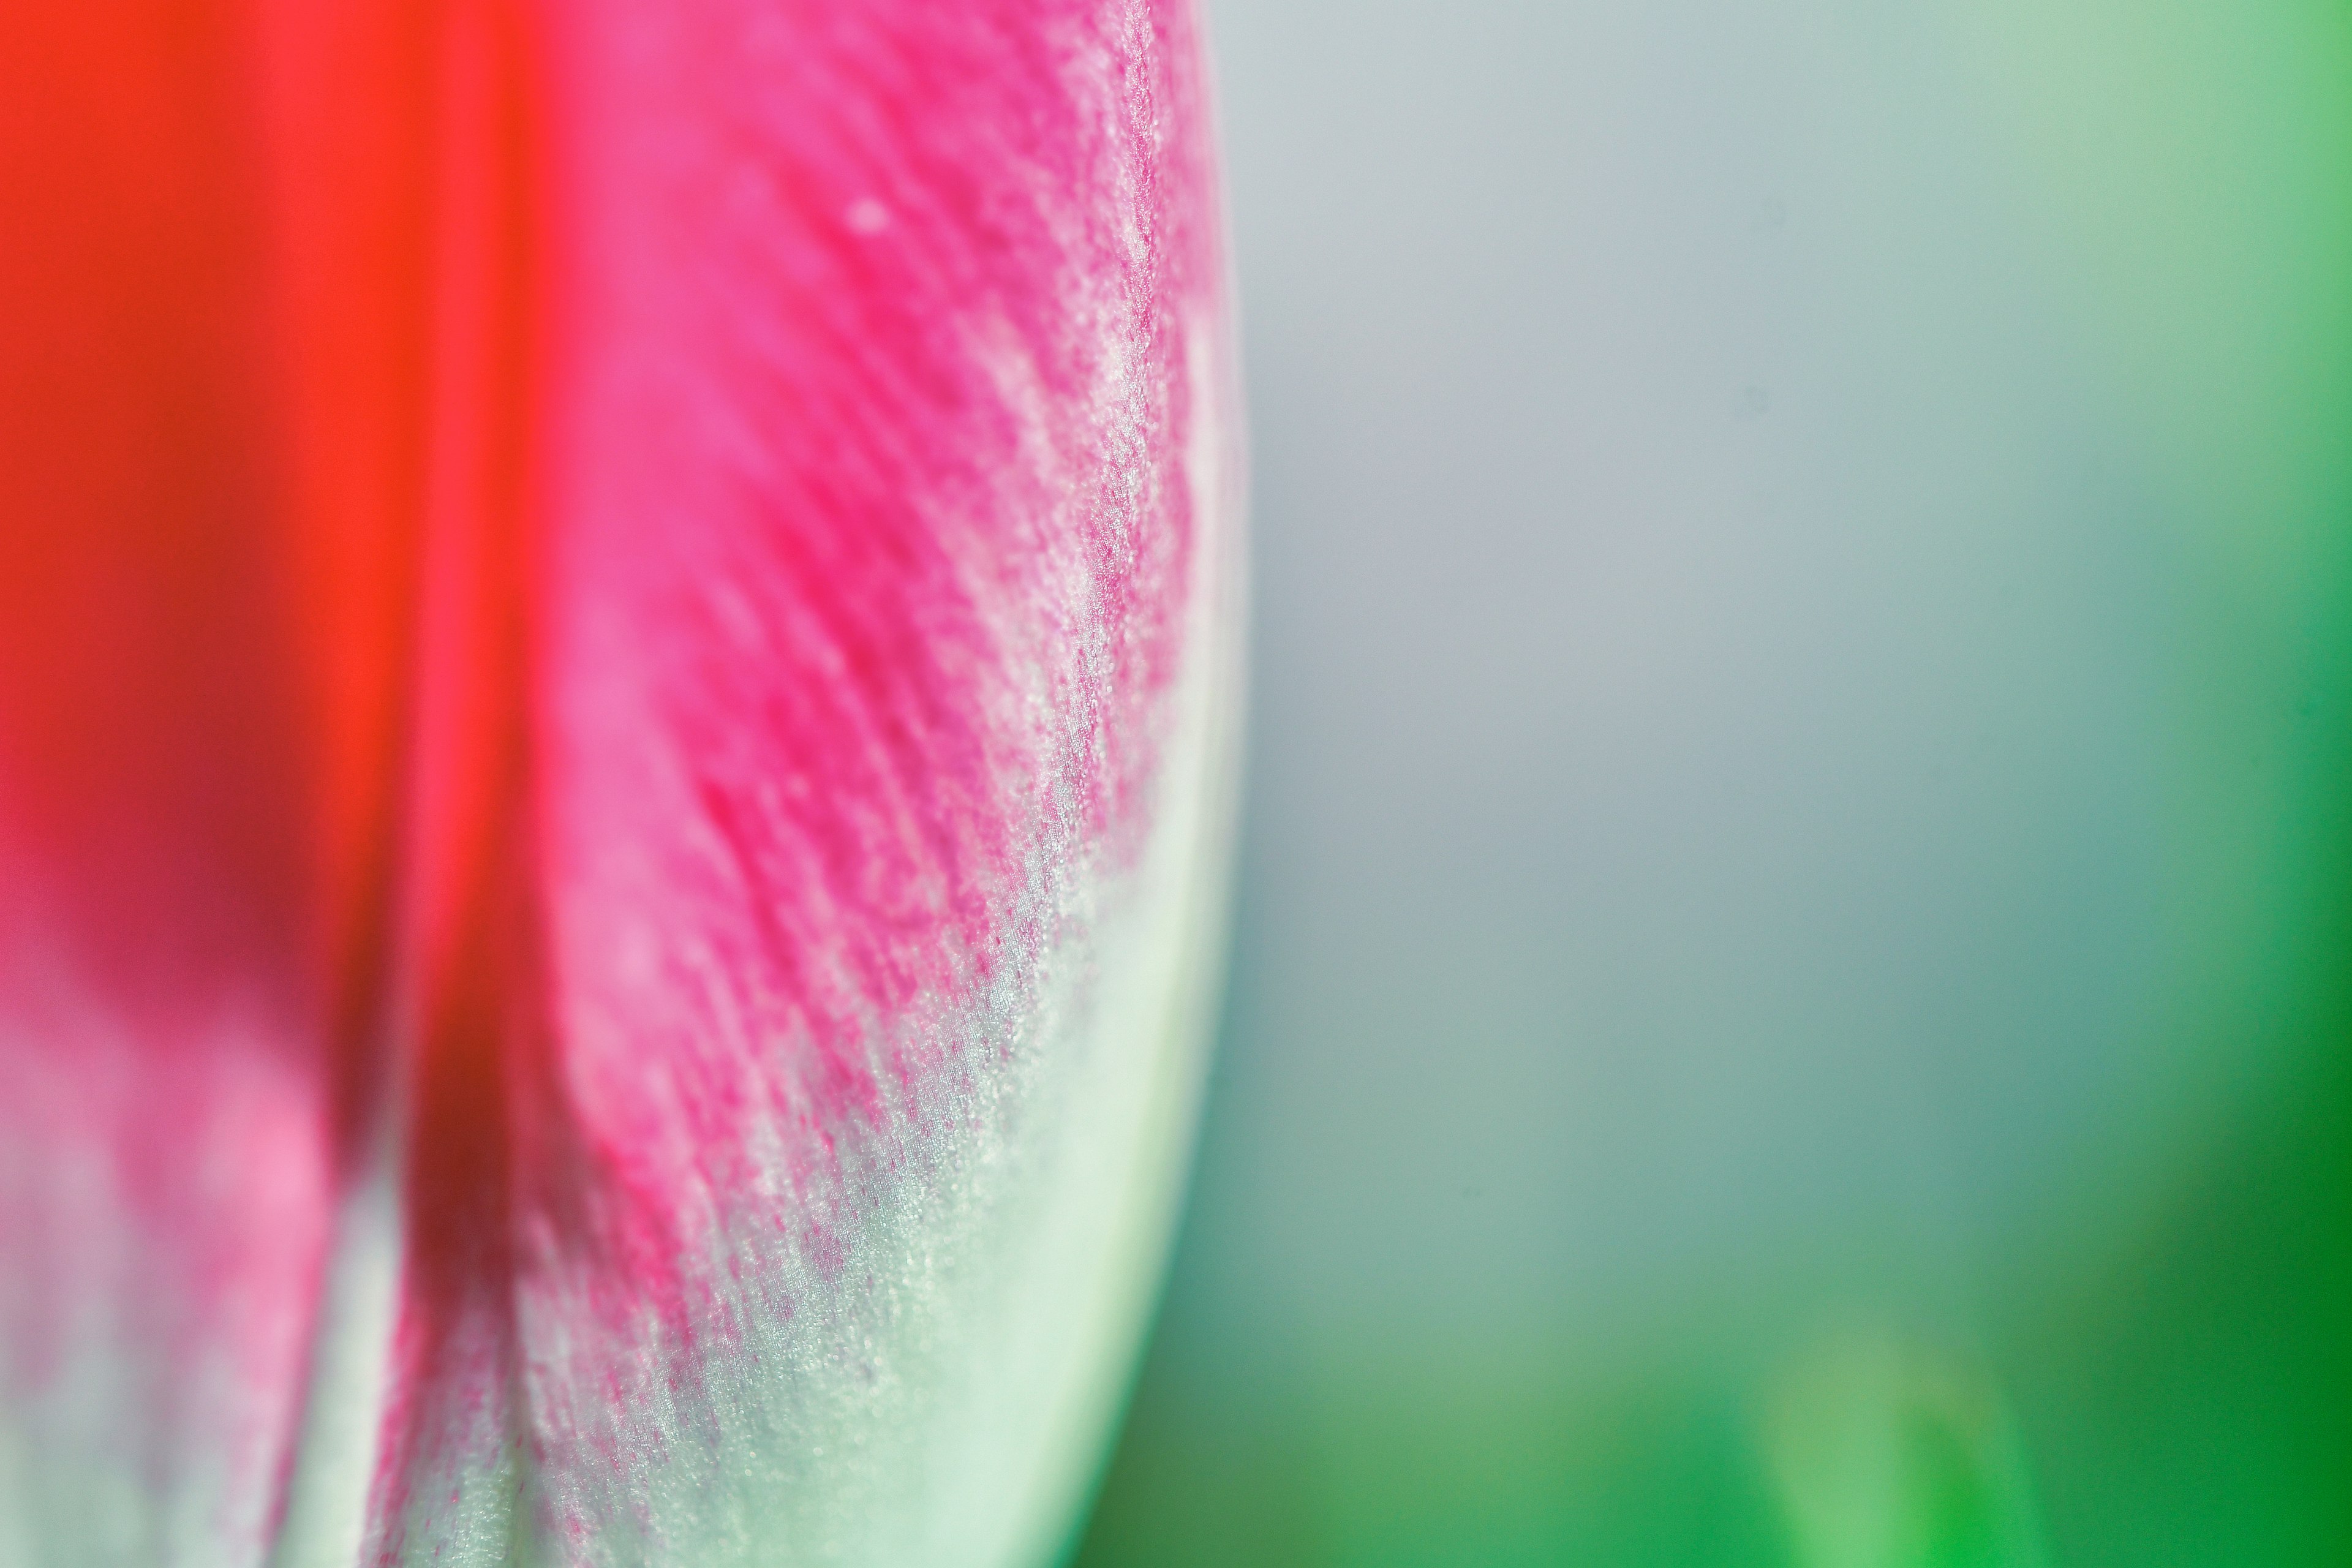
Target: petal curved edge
x=881, y=540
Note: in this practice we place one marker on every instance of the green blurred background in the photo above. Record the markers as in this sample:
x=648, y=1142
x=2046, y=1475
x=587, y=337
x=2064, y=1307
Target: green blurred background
x=1793, y=969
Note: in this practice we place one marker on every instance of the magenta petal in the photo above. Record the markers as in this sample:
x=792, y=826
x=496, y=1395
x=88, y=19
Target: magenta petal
x=757, y=565
x=876, y=450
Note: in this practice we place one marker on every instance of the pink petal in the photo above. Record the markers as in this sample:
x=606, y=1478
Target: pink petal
x=689, y=771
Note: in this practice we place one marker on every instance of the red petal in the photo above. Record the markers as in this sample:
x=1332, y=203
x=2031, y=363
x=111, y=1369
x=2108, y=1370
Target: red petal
x=166, y=1066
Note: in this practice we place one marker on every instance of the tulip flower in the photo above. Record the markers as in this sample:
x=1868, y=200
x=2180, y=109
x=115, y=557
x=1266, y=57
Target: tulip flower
x=616, y=645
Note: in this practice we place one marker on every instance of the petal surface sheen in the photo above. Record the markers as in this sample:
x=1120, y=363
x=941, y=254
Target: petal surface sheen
x=617, y=656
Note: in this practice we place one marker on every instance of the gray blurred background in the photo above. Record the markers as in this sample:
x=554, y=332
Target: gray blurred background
x=1794, y=860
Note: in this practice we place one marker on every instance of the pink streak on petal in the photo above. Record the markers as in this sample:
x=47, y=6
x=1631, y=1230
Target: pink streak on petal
x=858, y=542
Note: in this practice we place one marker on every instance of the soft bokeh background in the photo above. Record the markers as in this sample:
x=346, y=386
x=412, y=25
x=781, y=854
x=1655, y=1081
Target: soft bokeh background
x=1790, y=999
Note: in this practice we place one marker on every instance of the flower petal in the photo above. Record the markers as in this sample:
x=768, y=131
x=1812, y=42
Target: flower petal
x=882, y=577
x=167, y=1081
x=655, y=691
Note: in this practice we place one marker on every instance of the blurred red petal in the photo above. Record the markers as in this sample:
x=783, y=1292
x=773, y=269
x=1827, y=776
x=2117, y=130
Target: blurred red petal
x=166, y=1174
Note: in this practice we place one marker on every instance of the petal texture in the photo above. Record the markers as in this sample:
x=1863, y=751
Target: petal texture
x=871, y=425
x=616, y=779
